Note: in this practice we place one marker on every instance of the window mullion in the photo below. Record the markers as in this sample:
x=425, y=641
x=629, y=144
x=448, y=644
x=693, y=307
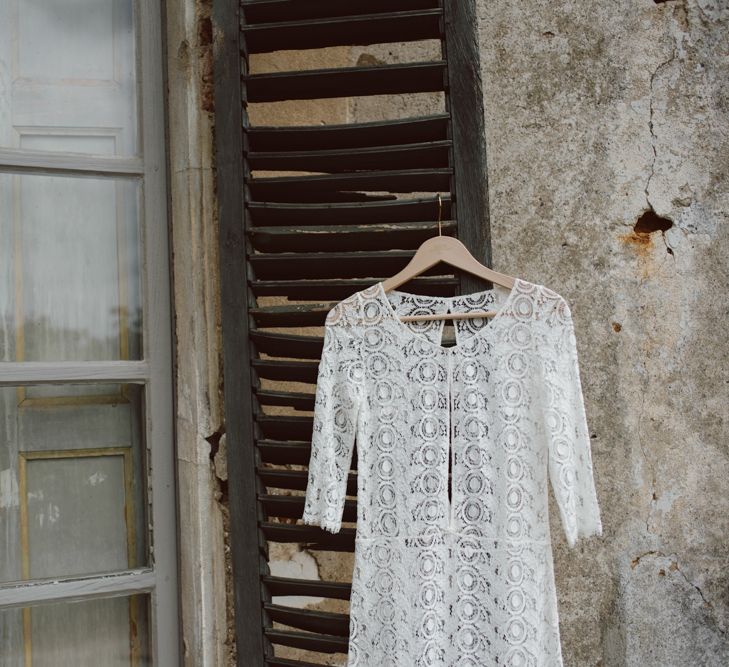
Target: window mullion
x=58, y=163
x=68, y=589
x=36, y=372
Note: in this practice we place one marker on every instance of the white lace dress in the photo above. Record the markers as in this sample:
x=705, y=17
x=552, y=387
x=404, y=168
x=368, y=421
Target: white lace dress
x=463, y=576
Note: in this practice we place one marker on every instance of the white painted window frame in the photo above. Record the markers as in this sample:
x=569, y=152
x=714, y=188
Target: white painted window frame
x=154, y=372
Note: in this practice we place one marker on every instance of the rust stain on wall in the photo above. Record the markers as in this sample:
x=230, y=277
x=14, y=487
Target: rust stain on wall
x=638, y=241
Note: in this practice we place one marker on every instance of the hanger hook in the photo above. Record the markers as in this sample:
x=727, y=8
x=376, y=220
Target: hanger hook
x=440, y=208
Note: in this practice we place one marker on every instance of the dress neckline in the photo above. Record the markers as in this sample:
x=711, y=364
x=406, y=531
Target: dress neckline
x=392, y=313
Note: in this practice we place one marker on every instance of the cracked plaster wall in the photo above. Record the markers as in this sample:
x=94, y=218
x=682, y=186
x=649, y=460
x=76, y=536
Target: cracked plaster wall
x=596, y=114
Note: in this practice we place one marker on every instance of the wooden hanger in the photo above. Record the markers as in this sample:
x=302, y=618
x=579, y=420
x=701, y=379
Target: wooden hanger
x=450, y=250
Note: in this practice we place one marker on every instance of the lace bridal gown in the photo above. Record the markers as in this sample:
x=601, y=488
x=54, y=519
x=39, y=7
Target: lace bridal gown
x=459, y=577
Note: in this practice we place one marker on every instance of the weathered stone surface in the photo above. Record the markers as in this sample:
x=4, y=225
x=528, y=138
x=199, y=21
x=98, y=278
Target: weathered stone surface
x=196, y=301
x=597, y=113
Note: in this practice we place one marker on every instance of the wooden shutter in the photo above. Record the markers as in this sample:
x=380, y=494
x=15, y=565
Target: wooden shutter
x=320, y=238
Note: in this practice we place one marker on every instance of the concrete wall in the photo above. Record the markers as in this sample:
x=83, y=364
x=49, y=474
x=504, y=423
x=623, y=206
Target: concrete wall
x=601, y=117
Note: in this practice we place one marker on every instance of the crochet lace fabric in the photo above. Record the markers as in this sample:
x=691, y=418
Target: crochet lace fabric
x=452, y=570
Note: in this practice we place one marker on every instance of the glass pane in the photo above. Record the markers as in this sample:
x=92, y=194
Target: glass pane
x=67, y=69
x=108, y=632
x=72, y=481
x=69, y=269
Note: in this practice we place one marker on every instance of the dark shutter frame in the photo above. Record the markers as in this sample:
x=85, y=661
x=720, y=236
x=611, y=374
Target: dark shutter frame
x=322, y=237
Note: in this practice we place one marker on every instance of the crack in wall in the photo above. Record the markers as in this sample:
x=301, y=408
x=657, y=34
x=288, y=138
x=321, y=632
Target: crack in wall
x=698, y=590
x=652, y=552
x=651, y=113
x=669, y=250
x=674, y=567
x=648, y=461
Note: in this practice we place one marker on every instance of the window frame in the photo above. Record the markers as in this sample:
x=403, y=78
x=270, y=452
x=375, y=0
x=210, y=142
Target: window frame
x=154, y=371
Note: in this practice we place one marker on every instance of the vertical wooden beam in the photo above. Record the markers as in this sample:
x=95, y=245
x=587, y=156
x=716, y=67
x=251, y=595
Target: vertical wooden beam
x=239, y=425
x=468, y=128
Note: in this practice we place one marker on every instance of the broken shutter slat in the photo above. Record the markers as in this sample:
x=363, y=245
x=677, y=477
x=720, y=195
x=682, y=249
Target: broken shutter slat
x=311, y=537
x=321, y=186
x=343, y=238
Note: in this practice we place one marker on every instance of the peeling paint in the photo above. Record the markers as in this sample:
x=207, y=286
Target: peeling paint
x=299, y=565
x=97, y=478
x=8, y=489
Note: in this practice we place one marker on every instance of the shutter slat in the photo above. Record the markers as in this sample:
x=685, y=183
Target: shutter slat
x=290, y=316
x=265, y=11
x=285, y=427
x=290, y=452
x=288, y=345
x=337, y=590
x=312, y=620
x=311, y=537
x=417, y=129
x=335, y=289
x=295, y=371
x=273, y=661
x=342, y=31
x=308, y=640
x=322, y=187
x=283, y=479
x=295, y=480
x=292, y=507
x=297, y=400
x=433, y=154
x=265, y=214
x=421, y=77
x=284, y=453
x=346, y=237
x=328, y=265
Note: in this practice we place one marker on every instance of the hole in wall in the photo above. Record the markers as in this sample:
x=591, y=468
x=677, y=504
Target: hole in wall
x=651, y=222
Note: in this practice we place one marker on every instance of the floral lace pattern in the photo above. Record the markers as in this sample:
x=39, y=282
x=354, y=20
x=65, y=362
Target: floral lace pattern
x=452, y=570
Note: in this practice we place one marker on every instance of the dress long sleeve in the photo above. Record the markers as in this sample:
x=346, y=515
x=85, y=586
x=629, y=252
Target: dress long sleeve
x=336, y=409
x=565, y=427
